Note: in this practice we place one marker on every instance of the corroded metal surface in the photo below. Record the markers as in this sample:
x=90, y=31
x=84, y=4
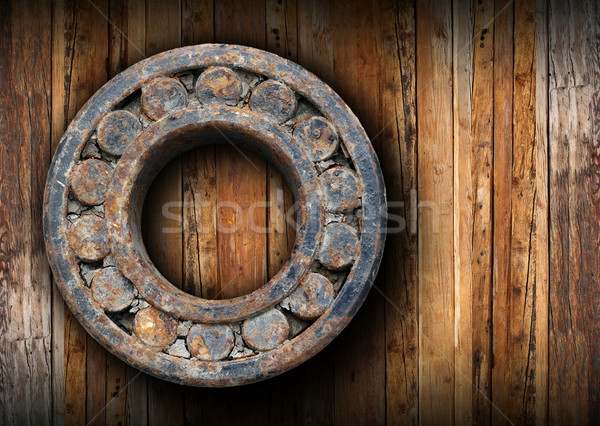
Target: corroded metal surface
x=266, y=331
x=164, y=106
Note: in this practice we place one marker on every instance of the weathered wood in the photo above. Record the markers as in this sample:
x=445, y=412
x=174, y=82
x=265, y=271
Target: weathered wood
x=514, y=286
x=95, y=369
x=574, y=111
x=116, y=391
x=137, y=397
x=164, y=204
x=396, y=146
x=516, y=230
x=465, y=186
x=282, y=39
x=25, y=286
x=473, y=154
x=542, y=209
x=126, y=387
x=360, y=388
x=79, y=45
x=481, y=208
x=435, y=158
x=503, y=119
x=200, y=257
x=306, y=394
x=315, y=38
x=241, y=176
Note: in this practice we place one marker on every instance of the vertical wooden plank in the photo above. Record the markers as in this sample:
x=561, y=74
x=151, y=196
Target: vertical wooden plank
x=281, y=35
x=473, y=161
x=360, y=369
x=200, y=272
x=120, y=48
x=164, y=200
x=574, y=111
x=200, y=262
x=282, y=28
x=306, y=394
x=137, y=397
x=542, y=192
x=503, y=119
x=136, y=31
x=514, y=309
x=197, y=21
x=481, y=205
x=164, y=212
x=95, y=383
x=465, y=177
x=315, y=38
x=25, y=286
x=396, y=146
x=237, y=264
x=116, y=391
x=435, y=163
x=79, y=47
x=300, y=396
x=134, y=28
x=241, y=177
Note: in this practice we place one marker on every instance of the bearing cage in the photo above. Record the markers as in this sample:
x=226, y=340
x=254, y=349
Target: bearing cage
x=262, y=364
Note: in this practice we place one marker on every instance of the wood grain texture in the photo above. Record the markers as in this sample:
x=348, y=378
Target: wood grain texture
x=79, y=45
x=484, y=115
x=515, y=304
x=574, y=113
x=282, y=39
x=465, y=186
x=542, y=215
x=359, y=387
x=305, y=395
x=473, y=171
x=396, y=145
x=163, y=213
x=435, y=223
x=200, y=256
x=26, y=380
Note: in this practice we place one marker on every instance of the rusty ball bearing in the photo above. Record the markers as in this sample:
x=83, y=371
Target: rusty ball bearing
x=160, y=108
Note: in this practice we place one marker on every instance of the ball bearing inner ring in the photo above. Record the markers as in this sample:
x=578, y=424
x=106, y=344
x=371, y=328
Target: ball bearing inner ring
x=154, y=148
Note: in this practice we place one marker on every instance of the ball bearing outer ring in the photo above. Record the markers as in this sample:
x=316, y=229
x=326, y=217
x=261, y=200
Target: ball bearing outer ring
x=262, y=365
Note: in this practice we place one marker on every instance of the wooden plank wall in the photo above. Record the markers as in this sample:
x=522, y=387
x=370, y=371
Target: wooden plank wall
x=486, y=118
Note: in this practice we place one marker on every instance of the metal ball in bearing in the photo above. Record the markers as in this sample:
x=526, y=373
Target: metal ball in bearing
x=121, y=139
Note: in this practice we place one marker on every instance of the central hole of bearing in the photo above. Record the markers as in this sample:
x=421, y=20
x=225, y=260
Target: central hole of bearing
x=218, y=221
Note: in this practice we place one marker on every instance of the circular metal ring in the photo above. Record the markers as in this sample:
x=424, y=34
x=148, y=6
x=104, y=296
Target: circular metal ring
x=129, y=130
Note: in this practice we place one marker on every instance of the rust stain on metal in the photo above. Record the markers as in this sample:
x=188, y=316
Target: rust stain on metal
x=112, y=290
x=90, y=180
x=116, y=130
x=92, y=214
x=219, y=84
x=339, y=246
x=87, y=238
x=340, y=189
x=266, y=331
x=274, y=99
x=162, y=96
x=210, y=342
x=319, y=136
x=312, y=297
x=155, y=328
